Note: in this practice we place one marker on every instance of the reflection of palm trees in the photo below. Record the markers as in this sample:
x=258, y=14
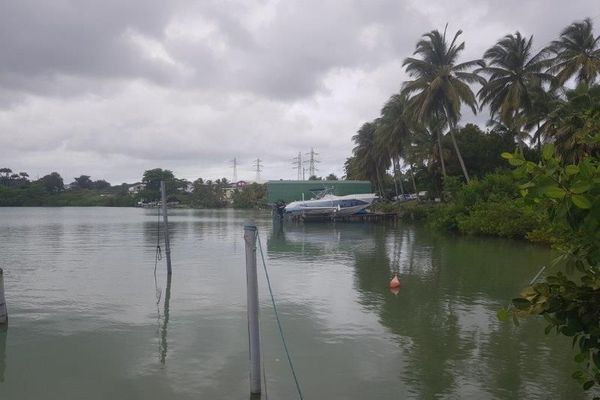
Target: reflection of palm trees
x=163, y=329
x=444, y=316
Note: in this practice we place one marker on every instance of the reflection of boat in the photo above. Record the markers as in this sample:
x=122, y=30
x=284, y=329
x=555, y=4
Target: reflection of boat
x=321, y=240
x=329, y=205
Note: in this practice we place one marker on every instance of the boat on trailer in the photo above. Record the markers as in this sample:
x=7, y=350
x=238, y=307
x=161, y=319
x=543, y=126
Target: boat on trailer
x=329, y=205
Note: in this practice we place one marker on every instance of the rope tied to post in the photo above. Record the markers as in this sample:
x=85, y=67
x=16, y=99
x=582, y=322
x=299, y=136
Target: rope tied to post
x=279, y=326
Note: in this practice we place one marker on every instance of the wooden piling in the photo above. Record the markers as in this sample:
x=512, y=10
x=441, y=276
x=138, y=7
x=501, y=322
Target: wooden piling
x=3, y=311
x=250, y=233
x=163, y=193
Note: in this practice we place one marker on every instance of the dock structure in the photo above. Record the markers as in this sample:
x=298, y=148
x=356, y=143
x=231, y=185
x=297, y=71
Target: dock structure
x=367, y=217
x=362, y=217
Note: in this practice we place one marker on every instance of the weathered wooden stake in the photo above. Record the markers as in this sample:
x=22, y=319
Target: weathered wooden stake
x=252, y=292
x=3, y=311
x=163, y=194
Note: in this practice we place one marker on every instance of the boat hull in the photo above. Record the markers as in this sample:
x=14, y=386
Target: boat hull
x=330, y=206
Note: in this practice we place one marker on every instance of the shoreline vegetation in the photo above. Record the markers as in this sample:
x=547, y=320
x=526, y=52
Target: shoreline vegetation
x=17, y=190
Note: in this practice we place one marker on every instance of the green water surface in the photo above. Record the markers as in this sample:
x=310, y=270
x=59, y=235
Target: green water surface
x=88, y=321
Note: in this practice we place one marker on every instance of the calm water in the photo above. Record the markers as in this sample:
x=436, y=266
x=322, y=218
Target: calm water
x=85, y=323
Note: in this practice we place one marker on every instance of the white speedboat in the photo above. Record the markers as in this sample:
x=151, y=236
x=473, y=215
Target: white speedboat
x=330, y=205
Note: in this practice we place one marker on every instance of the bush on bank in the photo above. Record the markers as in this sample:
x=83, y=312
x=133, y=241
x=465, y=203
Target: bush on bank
x=489, y=206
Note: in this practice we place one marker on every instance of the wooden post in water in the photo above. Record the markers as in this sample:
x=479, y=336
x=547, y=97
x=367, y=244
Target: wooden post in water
x=252, y=304
x=163, y=194
x=3, y=311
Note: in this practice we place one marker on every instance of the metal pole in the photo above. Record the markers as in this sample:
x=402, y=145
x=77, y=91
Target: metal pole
x=163, y=333
x=163, y=193
x=3, y=311
x=252, y=292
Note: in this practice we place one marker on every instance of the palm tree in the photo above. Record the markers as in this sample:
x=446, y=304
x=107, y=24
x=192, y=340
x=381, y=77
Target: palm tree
x=441, y=86
x=573, y=122
x=577, y=53
x=368, y=157
x=543, y=102
x=393, y=132
x=513, y=74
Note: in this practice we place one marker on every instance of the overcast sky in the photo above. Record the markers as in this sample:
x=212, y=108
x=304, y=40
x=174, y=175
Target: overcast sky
x=111, y=88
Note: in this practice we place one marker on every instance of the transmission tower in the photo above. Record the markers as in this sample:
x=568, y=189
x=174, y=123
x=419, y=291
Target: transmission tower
x=297, y=162
x=312, y=161
x=258, y=166
x=235, y=177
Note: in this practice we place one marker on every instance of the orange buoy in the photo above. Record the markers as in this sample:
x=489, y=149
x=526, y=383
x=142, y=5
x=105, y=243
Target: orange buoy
x=395, y=282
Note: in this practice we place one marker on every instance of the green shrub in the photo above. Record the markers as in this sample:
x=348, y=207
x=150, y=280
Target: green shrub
x=509, y=219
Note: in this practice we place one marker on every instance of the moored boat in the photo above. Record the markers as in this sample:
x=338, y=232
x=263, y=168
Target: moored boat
x=330, y=206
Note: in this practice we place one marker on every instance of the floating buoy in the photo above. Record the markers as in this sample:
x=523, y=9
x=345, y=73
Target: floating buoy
x=395, y=282
x=395, y=291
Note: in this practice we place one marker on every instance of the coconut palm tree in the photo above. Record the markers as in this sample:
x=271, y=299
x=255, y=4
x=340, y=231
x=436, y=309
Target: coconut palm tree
x=543, y=102
x=573, y=122
x=513, y=73
x=393, y=132
x=368, y=156
x=441, y=85
x=577, y=53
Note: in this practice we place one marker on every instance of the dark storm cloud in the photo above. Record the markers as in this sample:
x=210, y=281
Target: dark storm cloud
x=285, y=56
x=117, y=86
x=42, y=41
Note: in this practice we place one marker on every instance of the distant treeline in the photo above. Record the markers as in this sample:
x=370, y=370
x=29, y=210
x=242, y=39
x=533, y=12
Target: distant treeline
x=16, y=189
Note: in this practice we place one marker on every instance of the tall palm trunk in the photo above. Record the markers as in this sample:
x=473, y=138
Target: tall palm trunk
x=398, y=172
x=412, y=177
x=379, y=187
x=539, y=139
x=395, y=175
x=460, y=159
x=441, y=154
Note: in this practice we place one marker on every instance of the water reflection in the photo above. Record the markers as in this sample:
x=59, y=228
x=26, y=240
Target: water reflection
x=309, y=241
x=165, y=322
x=351, y=338
x=3, y=335
x=443, y=316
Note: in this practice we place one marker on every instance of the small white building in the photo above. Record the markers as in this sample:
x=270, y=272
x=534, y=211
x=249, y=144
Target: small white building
x=136, y=188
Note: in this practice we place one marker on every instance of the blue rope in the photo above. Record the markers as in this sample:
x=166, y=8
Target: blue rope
x=287, y=353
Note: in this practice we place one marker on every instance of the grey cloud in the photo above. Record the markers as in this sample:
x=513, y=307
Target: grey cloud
x=285, y=57
x=109, y=88
x=43, y=41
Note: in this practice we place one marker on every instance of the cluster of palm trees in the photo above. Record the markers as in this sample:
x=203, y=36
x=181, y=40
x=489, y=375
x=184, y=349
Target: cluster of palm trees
x=520, y=88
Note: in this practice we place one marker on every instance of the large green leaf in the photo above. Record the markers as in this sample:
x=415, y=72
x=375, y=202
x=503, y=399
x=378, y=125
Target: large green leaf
x=554, y=192
x=515, y=162
x=572, y=169
x=581, y=201
x=548, y=151
x=580, y=187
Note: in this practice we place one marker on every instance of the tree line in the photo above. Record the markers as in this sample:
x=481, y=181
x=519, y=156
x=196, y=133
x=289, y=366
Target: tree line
x=16, y=189
x=528, y=94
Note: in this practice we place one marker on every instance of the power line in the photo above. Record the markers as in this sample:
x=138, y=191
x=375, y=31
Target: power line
x=297, y=162
x=312, y=161
x=258, y=166
x=235, y=177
